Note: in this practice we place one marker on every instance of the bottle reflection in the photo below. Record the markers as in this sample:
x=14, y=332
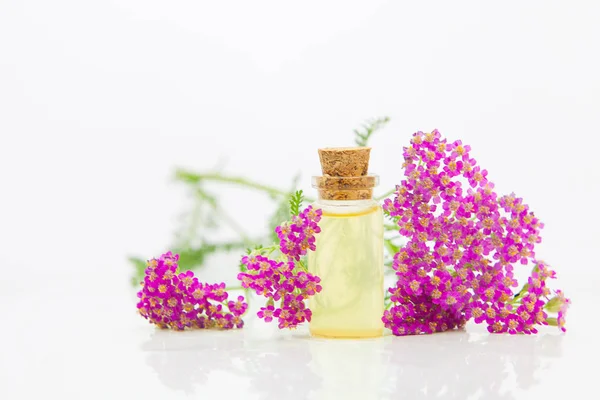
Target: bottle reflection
x=453, y=365
x=349, y=369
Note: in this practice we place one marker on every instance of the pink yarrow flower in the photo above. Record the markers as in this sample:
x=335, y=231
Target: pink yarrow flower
x=286, y=284
x=464, y=242
x=173, y=300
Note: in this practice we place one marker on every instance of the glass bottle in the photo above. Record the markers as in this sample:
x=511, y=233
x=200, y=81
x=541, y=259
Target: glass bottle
x=349, y=248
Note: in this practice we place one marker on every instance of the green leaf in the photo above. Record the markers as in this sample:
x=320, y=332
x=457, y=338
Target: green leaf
x=242, y=267
x=282, y=210
x=521, y=293
x=361, y=137
x=388, y=217
x=281, y=214
x=187, y=176
x=139, y=266
x=296, y=202
x=190, y=258
x=554, y=304
x=391, y=247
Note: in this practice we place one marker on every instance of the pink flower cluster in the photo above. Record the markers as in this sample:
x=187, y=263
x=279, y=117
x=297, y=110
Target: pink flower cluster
x=286, y=283
x=178, y=300
x=298, y=236
x=463, y=243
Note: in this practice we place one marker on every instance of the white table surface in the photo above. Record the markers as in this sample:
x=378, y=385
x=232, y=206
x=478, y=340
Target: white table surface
x=61, y=339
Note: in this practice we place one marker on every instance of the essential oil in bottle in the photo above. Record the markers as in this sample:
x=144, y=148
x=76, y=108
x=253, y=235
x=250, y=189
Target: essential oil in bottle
x=349, y=248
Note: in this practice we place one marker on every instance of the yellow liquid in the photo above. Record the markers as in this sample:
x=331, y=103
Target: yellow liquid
x=349, y=261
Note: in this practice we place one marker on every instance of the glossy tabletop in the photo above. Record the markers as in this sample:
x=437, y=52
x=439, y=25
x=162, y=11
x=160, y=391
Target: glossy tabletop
x=71, y=342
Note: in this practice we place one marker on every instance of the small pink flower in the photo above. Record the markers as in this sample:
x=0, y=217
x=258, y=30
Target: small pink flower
x=266, y=313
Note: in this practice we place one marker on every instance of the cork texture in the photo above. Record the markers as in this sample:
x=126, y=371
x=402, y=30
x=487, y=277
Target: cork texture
x=362, y=194
x=345, y=174
x=345, y=161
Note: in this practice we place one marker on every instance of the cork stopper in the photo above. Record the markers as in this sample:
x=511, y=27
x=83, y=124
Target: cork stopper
x=345, y=161
x=345, y=174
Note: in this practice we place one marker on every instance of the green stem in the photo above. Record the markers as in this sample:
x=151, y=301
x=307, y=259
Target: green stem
x=387, y=304
x=193, y=177
x=391, y=227
x=390, y=247
x=385, y=195
x=520, y=294
x=301, y=264
x=220, y=212
x=234, y=225
x=226, y=246
x=265, y=250
x=193, y=223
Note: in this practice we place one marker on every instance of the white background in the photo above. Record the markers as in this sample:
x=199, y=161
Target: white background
x=101, y=100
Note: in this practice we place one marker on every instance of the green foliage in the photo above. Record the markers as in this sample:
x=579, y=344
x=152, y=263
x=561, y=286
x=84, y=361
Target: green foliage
x=282, y=210
x=296, y=202
x=139, y=267
x=193, y=241
x=390, y=223
x=190, y=258
x=362, y=136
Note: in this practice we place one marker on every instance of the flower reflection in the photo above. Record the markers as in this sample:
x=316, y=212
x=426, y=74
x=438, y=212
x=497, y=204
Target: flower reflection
x=267, y=368
x=184, y=359
x=459, y=365
x=454, y=365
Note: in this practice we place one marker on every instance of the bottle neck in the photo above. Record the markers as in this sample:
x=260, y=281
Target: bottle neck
x=346, y=195
x=346, y=207
x=351, y=201
x=345, y=188
x=345, y=203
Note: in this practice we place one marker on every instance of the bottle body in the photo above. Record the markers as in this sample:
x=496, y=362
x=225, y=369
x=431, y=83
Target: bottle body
x=349, y=261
